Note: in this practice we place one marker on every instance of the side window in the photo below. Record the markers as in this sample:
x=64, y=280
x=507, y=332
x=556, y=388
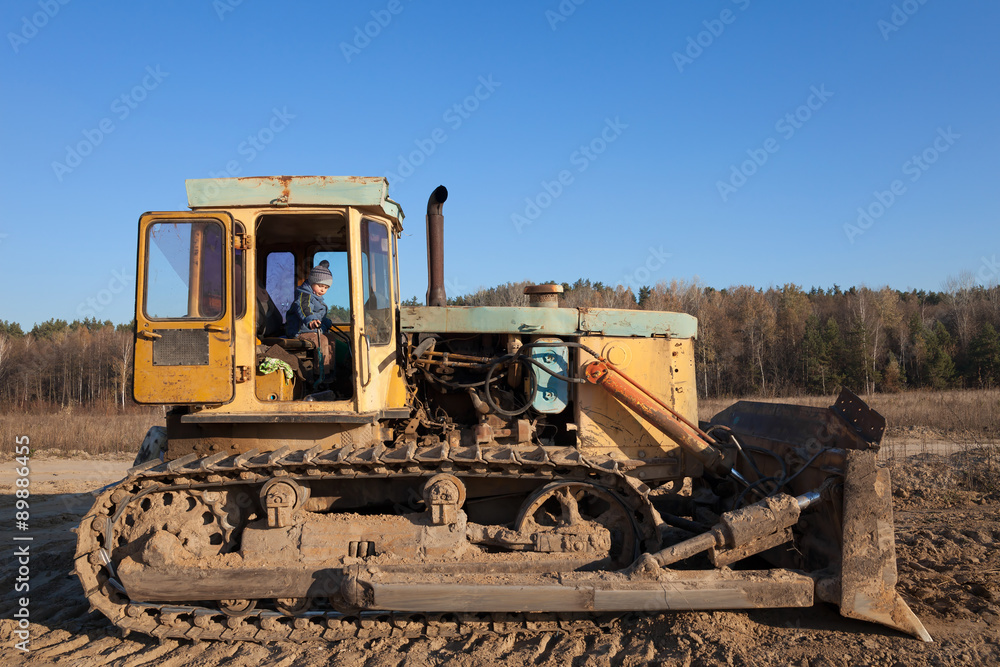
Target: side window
x=279, y=280
x=395, y=264
x=184, y=270
x=338, y=297
x=375, y=272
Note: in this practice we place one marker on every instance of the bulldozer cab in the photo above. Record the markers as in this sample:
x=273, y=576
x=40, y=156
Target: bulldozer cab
x=217, y=283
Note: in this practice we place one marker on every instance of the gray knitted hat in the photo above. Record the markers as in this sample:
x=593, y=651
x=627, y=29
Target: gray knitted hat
x=320, y=274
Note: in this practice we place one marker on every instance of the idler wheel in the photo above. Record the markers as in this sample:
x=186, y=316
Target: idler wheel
x=280, y=498
x=444, y=495
x=237, y=608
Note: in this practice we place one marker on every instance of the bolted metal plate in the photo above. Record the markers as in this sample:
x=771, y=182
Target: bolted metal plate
x=181, y=347
x=553, y=393
x=868, y=423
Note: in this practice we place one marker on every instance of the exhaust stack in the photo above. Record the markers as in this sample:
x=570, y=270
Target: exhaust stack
x=435, y=247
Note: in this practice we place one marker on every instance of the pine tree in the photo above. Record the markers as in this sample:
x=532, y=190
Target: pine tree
x=823, y=350
x=48, y=329
x=940, y=368
x=10, y=329
x=893, y=378
x=984, y=357
x=644, y=293
x=815, y=359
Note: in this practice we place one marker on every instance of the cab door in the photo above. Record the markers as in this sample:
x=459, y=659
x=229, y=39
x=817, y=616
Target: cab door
x=377, y=360
x=184, y=308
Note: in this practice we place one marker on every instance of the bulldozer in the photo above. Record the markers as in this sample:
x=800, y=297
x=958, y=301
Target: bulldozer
x=448, y=469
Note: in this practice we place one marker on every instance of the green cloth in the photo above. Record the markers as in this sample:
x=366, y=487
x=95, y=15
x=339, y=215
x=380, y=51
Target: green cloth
x=270, y=365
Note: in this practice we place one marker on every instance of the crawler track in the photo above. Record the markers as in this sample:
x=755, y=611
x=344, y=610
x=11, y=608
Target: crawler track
x=96, y=571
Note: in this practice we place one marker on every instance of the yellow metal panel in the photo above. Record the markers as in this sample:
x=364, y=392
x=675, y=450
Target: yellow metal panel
x=396, y=394
x=273, y=387
x=663, y=366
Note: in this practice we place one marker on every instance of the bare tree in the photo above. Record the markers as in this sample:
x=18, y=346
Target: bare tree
x=122, y=362
x=5, y=346
x=963, y=301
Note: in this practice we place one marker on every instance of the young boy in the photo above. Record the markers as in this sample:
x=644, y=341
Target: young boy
x=306, y=318
x=308, y=311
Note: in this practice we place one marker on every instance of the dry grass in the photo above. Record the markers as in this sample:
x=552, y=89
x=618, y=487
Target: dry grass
x=79, y=430
x=917, y=422
x=968, y=414
x=927, y=418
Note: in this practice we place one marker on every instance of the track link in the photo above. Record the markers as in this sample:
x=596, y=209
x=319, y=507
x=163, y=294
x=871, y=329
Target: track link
x=96, y=571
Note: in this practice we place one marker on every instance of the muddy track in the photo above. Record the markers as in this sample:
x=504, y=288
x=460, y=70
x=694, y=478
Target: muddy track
x=96, y=570
x=947, y=544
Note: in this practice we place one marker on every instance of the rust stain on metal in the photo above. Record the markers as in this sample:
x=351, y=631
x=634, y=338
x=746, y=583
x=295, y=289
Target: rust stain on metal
x=634, y=397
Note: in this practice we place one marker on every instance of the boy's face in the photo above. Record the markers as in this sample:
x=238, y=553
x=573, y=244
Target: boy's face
x=320, y=290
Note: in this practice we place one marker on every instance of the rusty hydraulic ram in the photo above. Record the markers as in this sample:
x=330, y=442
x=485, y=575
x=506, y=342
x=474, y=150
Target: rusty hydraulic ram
x=656, y=412
x=739, y=533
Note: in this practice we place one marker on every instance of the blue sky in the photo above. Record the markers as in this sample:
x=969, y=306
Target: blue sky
x=624, y=142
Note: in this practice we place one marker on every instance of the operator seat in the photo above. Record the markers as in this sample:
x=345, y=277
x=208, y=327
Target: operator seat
x=271, y=326
x=269, y=321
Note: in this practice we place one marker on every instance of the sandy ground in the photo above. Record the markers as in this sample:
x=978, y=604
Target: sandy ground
x=948, y=531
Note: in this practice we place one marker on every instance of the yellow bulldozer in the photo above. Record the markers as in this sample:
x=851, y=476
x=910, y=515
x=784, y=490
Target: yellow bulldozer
x=432, y=469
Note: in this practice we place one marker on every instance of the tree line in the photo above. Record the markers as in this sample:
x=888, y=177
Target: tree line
x=751, y=341
x=58, y=363
x=786, y=340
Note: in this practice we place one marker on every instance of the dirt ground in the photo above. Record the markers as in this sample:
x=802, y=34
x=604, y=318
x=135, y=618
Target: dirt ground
x=947, y=538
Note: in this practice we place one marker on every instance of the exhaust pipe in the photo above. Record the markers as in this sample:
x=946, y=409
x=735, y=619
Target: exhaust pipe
x=435, y=247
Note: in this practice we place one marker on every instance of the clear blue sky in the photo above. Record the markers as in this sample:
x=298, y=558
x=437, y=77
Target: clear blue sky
x=677, y=117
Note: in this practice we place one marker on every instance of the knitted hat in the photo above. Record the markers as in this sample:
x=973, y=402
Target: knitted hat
x=320, y=274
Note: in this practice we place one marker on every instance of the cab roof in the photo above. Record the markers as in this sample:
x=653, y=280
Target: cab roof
x=283, y=191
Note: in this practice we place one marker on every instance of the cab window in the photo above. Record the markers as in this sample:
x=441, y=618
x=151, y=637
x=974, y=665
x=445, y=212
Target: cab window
x=184, y=270
x=375, y=277
x=279, y=280
x=338, y=297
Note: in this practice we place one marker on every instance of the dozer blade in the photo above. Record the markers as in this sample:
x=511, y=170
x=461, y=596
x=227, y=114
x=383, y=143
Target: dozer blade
x=868, y=570
x=845, y=437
